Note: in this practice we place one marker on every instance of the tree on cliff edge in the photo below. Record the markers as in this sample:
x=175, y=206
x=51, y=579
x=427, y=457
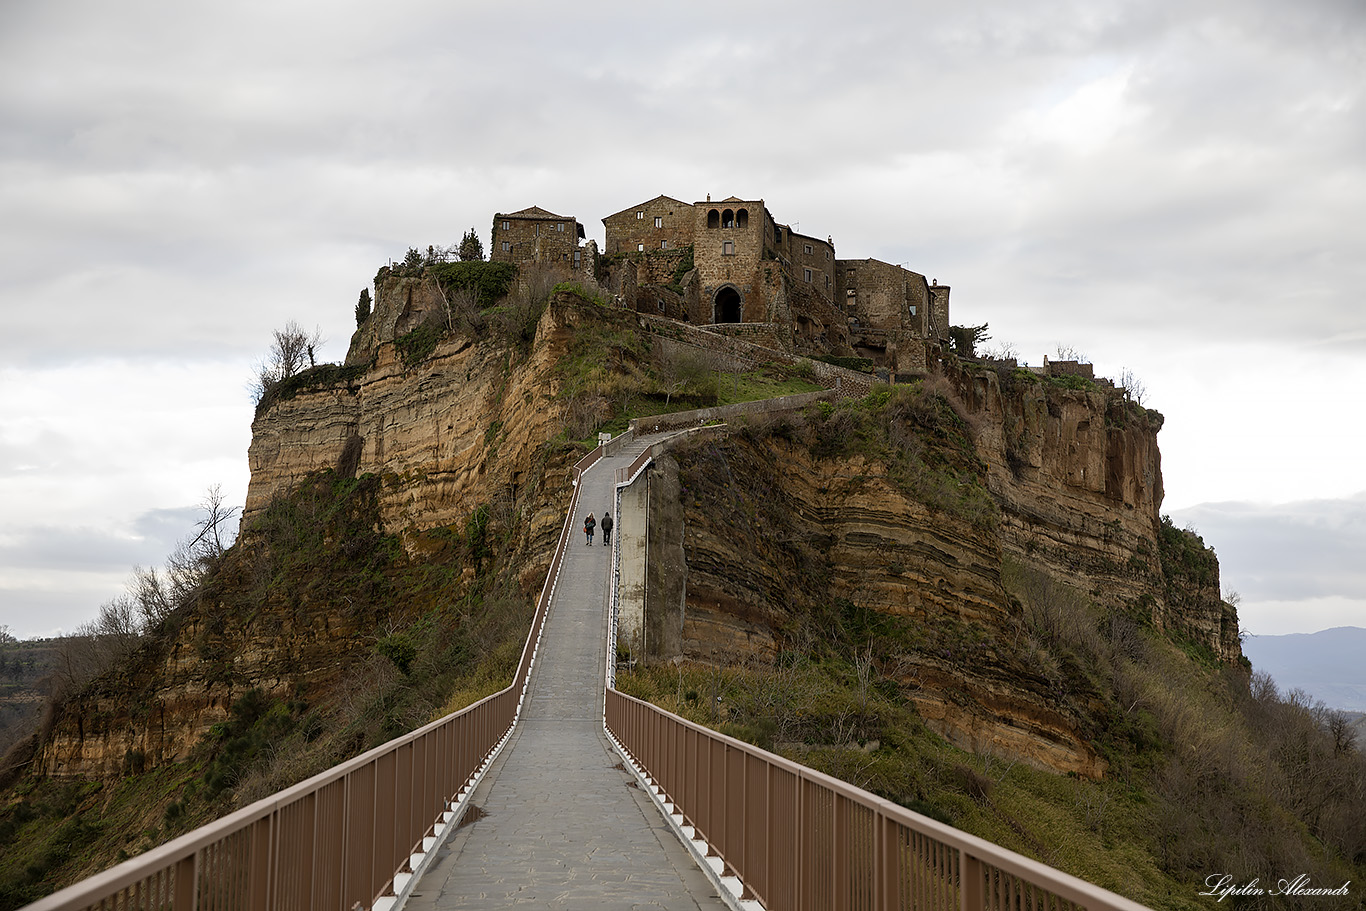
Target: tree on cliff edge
x=291, y=352
x=963, y=340
x=363, y=307
x=471, y=248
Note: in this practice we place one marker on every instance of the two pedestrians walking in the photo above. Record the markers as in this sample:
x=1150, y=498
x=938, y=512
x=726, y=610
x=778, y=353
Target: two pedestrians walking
x=590, y=523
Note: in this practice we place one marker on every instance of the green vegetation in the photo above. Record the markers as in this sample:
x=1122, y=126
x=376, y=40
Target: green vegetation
x=1185, y=558
x=861, y=364
x=471, y=248
x=915, y=431
x=363, y=307
x=578, y=290
x=320, y=377
x=416, y=346
x=963, y=340
x=1071, y=381
x=615, y=373
x=685, y=265
x=489, y=281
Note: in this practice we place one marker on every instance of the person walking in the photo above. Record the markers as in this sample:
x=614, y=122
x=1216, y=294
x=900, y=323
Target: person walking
x=607, y=528
x=588, y=525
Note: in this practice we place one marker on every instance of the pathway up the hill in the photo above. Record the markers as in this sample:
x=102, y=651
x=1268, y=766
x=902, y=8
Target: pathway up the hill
x=562, y=825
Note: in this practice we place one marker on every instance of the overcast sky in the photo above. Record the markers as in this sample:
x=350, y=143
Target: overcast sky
x=1172, y=188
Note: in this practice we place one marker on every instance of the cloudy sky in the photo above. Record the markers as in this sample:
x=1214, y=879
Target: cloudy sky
x=1171, y=188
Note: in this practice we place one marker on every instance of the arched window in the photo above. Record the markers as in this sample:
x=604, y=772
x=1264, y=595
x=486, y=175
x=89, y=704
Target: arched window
x=728, y=306
x=713, y=219
x=742, y=218
x=728, y=219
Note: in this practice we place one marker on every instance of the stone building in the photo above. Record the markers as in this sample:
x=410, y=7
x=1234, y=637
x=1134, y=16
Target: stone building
x=730, y=262
x=534, y=235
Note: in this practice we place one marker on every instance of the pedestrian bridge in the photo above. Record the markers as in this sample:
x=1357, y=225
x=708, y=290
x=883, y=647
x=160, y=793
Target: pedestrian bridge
x=560, y=792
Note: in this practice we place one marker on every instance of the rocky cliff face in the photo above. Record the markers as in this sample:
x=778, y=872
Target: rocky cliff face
x=1078, y=476
x=430, y=437
x=788, y=537
x=767, y=531
x=781, y=523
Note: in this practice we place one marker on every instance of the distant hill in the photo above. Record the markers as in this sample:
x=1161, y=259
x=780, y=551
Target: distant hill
x=1327, y=665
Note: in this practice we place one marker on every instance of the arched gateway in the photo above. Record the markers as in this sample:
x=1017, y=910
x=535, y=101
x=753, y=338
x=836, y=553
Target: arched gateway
x=727, y=306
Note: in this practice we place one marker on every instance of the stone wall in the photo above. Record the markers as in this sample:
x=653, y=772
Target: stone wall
x=812, y=263
x=770, y=335
x=939, y=311
x=884, y=296
x=1068, y=368
x=548, y=238
x=661, y=223
x=847, y=383
x=682, y=420
x=731, y=257
x=656, y=266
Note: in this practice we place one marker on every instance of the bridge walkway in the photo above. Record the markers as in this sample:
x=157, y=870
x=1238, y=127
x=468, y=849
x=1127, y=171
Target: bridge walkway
x=562, y=826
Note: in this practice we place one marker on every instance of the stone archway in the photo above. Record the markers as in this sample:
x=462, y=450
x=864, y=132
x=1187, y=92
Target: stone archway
x=728, y=306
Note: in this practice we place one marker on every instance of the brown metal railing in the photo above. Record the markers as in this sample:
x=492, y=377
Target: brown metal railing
x=799, y=839
x=339, y=839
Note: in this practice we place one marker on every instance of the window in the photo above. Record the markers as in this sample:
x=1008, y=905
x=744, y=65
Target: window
x=808, y=249
x=827, y=283
x=728, y=248
x=507, y=226
x=713, y=219
x=827, y=256
x=577, y=256
x=663, y=245
x=807, y=273
x=728, y=219
x=506, y=247
x=912, y=309
x=659, y=221
x=742, y=218
x=640, y=248
x=560, y=227
x=640, y=215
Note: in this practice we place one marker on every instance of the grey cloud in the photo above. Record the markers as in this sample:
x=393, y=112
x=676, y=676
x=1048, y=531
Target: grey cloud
x=181, y=179
x=155, y=534
x=1287, y=552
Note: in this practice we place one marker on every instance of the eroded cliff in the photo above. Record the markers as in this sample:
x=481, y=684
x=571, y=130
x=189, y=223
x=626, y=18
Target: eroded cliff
x=941, y=505
x=427, y=460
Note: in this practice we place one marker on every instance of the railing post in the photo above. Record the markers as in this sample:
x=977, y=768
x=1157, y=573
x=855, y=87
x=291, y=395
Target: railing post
x=186, y=887
x=970, y=882
x=839, y=899
x=886, y=866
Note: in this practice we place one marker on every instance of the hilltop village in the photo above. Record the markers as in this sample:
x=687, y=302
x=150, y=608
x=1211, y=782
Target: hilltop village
x=732, y=266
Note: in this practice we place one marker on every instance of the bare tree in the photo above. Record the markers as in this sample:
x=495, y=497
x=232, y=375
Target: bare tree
x=293, y=347
x=1134, y=388
x=1004, y=351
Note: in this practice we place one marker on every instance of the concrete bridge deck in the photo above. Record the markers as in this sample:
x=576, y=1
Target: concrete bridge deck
x=562, y=825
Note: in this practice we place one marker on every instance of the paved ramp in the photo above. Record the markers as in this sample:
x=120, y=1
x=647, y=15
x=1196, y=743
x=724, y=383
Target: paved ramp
x=562, y=826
